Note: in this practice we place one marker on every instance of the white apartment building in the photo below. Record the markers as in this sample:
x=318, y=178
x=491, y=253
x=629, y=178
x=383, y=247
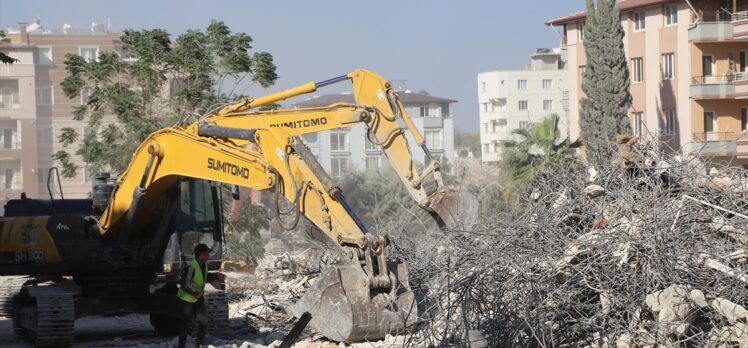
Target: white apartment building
x=347, y=149
x=510, y=100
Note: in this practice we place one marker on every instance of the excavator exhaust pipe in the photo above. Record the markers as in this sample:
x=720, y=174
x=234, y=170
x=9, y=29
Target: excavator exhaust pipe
x=363, y=299
x=456, y=210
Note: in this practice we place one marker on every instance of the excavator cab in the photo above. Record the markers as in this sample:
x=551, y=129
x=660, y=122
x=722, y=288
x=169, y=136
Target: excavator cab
x=197, y=219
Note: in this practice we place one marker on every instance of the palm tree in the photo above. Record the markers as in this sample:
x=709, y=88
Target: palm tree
x=538, y=148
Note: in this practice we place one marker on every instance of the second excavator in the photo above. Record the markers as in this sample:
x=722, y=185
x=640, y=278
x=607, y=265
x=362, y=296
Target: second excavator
x=363, y=297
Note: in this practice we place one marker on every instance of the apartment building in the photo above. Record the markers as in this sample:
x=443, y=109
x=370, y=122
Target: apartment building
x=348, y=149
x=511, y=100
x=34, y=109
x=689, y=73
x=18, y=123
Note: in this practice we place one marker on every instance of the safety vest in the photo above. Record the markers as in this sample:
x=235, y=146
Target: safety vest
x=197, y=282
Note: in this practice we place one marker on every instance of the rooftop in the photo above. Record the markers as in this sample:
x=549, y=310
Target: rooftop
x=36, y=28
x=406, y=97
x=625, y=5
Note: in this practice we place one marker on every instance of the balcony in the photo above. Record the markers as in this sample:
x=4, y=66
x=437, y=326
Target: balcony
x=719, y=26
x=731, y=85
x=719, y=143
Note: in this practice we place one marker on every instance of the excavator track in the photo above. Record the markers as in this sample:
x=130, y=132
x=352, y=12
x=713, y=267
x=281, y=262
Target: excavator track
x=217, y=306
x=9, y=287
x=55, y=320
x=47, y=316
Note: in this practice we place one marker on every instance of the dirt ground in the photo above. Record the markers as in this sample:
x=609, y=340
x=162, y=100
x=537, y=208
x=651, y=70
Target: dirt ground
x=97, y=332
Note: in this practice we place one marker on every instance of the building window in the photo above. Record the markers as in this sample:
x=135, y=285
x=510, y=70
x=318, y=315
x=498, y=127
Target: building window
x=369, y=146
x=310, y=138
x=547, y=104
x=485, y=126
x=86, y=174
x=639, y=123
x=709, y=121
x=424, y=110
x=524, y=124
x=127, y=56
x=338, y=141
x=9, y=138
x=373, y=162
x=85, y=94
x=46, y=135
x=671, y=14
x=522, y=105
x=89, y=54
x=43, y=56
x=434, y=139
x=44, y=96
x=743, y=61
x=547, y=84
x=670, y=120
x=707, y=64
x=637, y=70
x=483, y=87
x=42, y=173
x=522, y=85
x=8, y=98
x=668, y=66
x=9, y=177
x=744, y=119
x=580, y=30
x=339, y=166
x=486, y=148
x=485, y=107
x=639, y=23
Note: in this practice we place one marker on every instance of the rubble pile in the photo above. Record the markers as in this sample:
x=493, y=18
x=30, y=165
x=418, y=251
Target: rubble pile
x=647, y=251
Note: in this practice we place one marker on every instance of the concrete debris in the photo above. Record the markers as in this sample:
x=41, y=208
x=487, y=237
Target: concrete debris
x=594, y=191
x=732, y=311
x=675, y=308
x=653, y=255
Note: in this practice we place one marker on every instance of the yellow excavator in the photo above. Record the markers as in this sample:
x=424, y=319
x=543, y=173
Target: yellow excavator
x=121, y=251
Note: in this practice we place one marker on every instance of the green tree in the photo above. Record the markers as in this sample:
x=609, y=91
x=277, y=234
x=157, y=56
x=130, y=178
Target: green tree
x=379, y=198
x=538, y=148
x=466, y=141
x=4, y=58
x=243, y=240
x=165, y=80
x=604, y=110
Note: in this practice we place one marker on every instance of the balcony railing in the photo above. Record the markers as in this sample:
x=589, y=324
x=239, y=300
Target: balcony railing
x=10, y=105
x=720, y=79
x=715, y=16
x=718, y=143
x=719, y=136
x=740, y=16
x=15, y=145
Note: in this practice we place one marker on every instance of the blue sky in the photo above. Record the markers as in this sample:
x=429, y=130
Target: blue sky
x=438, y=46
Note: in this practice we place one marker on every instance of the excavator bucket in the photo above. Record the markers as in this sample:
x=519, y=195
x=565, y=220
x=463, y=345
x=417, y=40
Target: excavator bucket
x=345, y=308
x=458, y=210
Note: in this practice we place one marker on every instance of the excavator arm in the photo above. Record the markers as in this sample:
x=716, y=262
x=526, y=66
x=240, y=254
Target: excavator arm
x=378, y=107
